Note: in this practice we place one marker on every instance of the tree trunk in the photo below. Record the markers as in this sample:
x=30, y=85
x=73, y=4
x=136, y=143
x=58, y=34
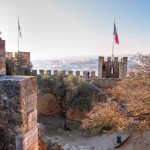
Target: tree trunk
x=65, y=124
x=64, y=116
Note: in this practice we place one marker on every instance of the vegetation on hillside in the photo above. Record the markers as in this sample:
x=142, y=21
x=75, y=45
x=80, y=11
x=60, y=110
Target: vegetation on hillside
x=69, y=92
x=129, y=107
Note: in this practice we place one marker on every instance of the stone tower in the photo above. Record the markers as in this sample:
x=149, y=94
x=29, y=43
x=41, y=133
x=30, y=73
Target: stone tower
x=18, y=108
x=25, y=56
x=112, y=69
x=2, y=57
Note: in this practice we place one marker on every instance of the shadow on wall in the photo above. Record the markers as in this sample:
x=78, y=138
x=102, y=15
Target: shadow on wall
x=47, y=105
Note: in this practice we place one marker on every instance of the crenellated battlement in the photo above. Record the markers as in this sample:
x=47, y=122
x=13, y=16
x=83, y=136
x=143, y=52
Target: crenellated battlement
x=112, y=69
x=106, y=68
x=24, y=55
x=70, y=72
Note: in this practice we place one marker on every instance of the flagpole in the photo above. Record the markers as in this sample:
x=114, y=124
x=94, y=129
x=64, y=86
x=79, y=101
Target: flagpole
x=113, y=45
x=18, y=41
x=113, y=49
x=18, y=34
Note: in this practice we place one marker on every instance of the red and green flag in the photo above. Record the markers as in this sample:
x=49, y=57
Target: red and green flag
x=116, y=35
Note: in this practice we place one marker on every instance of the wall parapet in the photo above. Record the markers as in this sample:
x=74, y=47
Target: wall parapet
x=50, y=72
x=106, y=82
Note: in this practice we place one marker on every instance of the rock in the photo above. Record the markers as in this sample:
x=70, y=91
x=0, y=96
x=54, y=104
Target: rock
x=1, y=103
x=18, y=129
x=11, y=147
x=4, y=97
x=105, y=131
x=15, y=115
x=40, y=129
x=146, y=142
x=6, y=104
x=67, y=146
x=72, y=147
x=49, y=143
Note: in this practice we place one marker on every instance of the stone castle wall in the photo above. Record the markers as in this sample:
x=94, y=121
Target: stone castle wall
x=18, y=100
x=106, y=82
x=18, y=109
x=47, y=105
x=49, y=72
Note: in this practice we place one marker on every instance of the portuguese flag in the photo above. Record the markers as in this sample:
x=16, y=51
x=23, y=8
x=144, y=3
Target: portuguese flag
x=116, y=35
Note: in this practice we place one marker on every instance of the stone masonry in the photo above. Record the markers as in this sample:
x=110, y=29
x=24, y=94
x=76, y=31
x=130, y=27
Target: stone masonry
x=112, y=69
x=18, y=112
x=24, y=55
x=2, y=57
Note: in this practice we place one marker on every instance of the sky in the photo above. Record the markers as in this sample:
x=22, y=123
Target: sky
x=64, y=28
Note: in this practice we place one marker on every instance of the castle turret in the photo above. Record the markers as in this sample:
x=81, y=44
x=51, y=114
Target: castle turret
x=112, y=69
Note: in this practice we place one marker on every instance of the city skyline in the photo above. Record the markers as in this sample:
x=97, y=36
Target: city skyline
x=54, y=28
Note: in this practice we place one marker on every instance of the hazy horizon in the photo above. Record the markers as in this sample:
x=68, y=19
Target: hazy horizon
x=64, y=28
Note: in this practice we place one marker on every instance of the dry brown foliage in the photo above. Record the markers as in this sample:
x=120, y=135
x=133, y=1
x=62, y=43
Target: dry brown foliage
x=106, y=116
x=129, y=107
x=134, y=93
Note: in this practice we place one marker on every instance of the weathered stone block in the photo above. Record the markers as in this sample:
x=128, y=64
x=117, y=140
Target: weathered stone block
x=92, y=73
x=28, y=86
x=2, y=47
x=30, y=102
x=9, y=55
x=32, y=119
x=25, y=141
x=34, y=72
x=34, y=146
x=63, y=72
x=85, y=73
x=48, y=72
x=70, y=72
x=55, y=72
x=41, y=72
x=2, y=66
x=2, y=53
x=77, y=73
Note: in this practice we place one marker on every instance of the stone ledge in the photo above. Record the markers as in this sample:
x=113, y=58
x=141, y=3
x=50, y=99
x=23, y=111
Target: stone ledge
x=18, y=86
x=15, y=78
x=23, y=142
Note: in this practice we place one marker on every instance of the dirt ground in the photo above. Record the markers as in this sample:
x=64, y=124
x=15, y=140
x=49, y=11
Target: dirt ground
x=80, y=137
x=77, y=136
